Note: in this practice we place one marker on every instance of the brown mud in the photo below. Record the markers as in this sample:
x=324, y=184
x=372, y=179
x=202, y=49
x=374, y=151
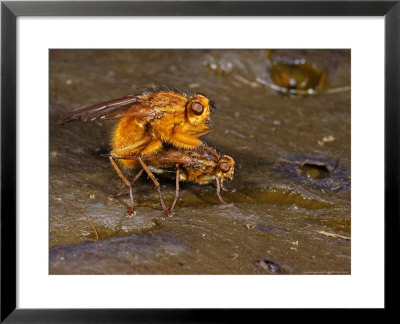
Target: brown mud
x=292, y=151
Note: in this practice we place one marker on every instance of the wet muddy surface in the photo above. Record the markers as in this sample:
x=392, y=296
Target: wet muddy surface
x=291, y=212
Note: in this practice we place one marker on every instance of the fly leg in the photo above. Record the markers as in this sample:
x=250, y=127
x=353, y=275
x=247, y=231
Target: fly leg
x=131, y=211
x=227, y=189
x=126, y=189
x=119, y=194
x=184, y=140
x=167, y=212
x=217, y=180
x=176, y=189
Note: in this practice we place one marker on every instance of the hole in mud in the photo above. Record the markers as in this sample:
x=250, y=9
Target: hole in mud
x=271, y=267
x=314, y=171
x=320, y=173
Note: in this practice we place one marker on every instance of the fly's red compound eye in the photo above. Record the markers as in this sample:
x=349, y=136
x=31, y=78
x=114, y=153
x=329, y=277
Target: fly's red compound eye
x=197, y=108
x=225, y=167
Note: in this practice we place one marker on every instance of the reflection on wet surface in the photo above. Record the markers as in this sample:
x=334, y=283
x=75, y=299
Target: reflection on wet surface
x=299, y=75
x=292, y=177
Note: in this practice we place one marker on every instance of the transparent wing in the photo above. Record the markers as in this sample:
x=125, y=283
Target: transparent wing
x=130, y=106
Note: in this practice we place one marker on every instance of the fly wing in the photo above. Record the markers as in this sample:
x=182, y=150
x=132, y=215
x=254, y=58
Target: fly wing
x=169, y=157
x=205, y=153
x=130, y=106
x=164, y=159
x=202, y=156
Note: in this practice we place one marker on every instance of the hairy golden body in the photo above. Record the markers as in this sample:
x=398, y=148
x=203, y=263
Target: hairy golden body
x=148, y=120
x=175, y=124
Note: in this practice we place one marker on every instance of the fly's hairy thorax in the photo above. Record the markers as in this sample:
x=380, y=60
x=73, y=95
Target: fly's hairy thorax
x=200, y=175
x=168, y=101
x=173, y=105
x=164, y=127
x=204, y=172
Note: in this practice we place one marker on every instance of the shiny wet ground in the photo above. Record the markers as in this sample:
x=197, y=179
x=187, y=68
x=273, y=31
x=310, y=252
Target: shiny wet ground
x=292, y=199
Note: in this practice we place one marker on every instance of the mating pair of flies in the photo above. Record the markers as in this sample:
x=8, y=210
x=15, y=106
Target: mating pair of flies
x=159, y=130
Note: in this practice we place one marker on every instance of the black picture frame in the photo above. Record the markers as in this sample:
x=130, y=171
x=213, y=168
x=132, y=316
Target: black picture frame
x=9, y=13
